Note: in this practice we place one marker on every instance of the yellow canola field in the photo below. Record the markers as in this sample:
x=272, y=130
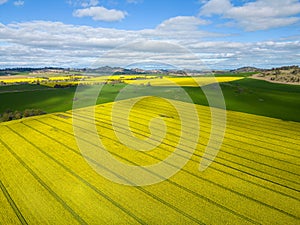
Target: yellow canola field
x=20, y=80
x=64, y=78
x=29, y=79
x=129, y=79
x=100, y=79
x=46, y=180
x=122, y=77
x=162, y=80
x=182, y=81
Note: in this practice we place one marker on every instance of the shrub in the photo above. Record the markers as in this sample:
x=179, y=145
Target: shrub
x=18, y=115
x=9, y=115
x=27, y=113
x=33, y=112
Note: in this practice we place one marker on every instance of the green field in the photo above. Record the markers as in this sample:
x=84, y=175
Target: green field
x=259, y=97
x=47, y=99
x=245, y=74
x=22, y=87
x=246, y=95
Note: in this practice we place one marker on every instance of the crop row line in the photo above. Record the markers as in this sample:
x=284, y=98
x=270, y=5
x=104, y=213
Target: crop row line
x=169, y=145
x=207, y=112
x=60, y=200
x=13, y=204
x=224, y=151
x=95, y=188
x=238, y=193
x=164, y=108
x=246, y=119
x=174, y=128
x=287, y=128
x=147, y=192
x=80, y=178
x=159, y=106
x=225, y=144
x=219, y=170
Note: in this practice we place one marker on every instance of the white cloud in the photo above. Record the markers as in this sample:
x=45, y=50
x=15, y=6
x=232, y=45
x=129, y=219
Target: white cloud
x=90, y=3
x=180, y=28
x=134, y=1
x=3, y=1
x=216, y=7
x=183, y=23
x=83, y=3
x=257, y=15
x=19, y=3
x=101, y=14
x=43, y=43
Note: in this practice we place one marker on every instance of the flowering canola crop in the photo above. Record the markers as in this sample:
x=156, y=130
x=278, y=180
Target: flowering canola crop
x=44, y=178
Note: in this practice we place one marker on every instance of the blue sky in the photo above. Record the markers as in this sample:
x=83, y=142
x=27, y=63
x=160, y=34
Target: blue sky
x=220, y=34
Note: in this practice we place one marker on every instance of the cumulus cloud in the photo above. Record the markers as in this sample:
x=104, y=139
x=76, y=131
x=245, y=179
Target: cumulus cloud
x=100, y=13
x=44, y=43
x=216, y=7
x=19, y=3
x=181, y=28
x=182, y=23
x=3, y=1
x=257, y=15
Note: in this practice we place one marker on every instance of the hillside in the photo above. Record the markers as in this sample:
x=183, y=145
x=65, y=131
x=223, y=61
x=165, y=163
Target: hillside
x=247, y=69
x=287, y=74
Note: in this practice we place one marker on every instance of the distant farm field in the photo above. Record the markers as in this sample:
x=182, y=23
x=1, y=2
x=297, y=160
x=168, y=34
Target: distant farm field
x=244, y=95
x=182, y=81
x=254, y=178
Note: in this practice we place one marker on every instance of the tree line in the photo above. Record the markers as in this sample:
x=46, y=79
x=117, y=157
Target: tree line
x=9, y=114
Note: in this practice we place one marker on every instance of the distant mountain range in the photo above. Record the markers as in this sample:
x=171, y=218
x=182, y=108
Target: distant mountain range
x=107, y=70
x=247, y=69
x=123, y=71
